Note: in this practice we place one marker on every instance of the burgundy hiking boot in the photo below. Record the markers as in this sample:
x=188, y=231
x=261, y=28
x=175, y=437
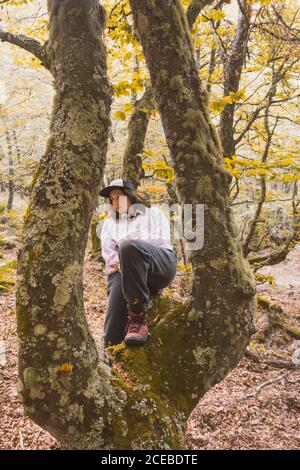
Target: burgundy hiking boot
x=136, y=329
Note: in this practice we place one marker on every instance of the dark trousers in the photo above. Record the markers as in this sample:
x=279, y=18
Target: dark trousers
x=145, y=269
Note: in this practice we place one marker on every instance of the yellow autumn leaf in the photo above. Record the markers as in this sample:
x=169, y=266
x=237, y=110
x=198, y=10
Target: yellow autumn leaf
x=290, y=178
x=262, y=172
x=227, y=100
x=102, y=216
x=120, y=115
x=140, y=57
x=127, y=56
x=66, y=368
x=285, y=162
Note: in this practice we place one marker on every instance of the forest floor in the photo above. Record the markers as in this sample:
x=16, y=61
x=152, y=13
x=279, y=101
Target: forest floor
x=257, y=406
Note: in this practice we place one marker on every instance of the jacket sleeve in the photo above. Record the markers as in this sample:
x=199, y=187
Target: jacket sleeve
x=109, y=249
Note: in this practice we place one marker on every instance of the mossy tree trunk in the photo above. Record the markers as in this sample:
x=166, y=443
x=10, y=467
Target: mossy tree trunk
x=64, y=386
x=138, y=124
x=96, y=244
x=59, y=381
x=201, y=344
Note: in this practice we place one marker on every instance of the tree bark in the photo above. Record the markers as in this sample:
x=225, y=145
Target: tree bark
x=60, y=384
x=233, y=67
x=11, y=185
x=137, y=129
x=210, y=335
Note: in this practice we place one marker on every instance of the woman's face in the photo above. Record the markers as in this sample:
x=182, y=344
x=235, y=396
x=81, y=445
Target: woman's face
x=119, y=200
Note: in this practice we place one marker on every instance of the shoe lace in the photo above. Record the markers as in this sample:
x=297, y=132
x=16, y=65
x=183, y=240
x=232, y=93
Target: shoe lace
x=135, y=321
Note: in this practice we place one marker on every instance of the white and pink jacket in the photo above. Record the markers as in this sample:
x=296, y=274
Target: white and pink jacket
x=149, y=224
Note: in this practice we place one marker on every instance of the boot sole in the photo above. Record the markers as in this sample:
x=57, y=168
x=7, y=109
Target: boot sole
x=135, y=341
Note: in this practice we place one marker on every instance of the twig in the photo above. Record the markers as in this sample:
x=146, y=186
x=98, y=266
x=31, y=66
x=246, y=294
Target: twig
x=271, y=362
x=35, y=439
x=21, y=440
x=262, y=385
x=254, y=392
x=292, y=381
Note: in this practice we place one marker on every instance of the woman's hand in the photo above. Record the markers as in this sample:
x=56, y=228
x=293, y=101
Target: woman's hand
x=115, y=267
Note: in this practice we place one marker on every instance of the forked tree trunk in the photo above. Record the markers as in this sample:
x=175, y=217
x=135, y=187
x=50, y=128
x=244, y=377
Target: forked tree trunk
x=142, y=401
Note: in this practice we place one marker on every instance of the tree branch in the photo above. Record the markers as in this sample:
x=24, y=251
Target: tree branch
x=255, y=115
x=280, y=18
x=196, y=6
x=28, y=44
x=194, y=9
x=233, y=65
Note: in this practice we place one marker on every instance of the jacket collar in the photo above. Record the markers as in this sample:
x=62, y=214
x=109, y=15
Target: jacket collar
x=133, y=212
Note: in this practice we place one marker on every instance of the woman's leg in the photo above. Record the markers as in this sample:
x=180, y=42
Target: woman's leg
x=145, y=268
x=117, y=312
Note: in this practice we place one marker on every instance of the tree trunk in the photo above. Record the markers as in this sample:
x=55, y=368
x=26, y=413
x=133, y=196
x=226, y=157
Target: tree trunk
x=11, y=185
x=96, y=245
x=65, y=387
x=137, y=128
x=211, y=335
x=60, y=382
x=138, y=124
x=233, y=67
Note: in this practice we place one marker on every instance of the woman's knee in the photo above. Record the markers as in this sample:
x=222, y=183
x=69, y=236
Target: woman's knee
x=127, y=247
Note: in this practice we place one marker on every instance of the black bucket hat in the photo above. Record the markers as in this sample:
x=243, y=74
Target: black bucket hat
x=116, y=184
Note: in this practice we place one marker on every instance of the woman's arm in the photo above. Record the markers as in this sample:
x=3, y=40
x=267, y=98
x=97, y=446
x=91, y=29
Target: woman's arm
x=109, y=250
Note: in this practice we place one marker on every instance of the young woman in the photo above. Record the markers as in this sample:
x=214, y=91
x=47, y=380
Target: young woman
x=139, y=261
